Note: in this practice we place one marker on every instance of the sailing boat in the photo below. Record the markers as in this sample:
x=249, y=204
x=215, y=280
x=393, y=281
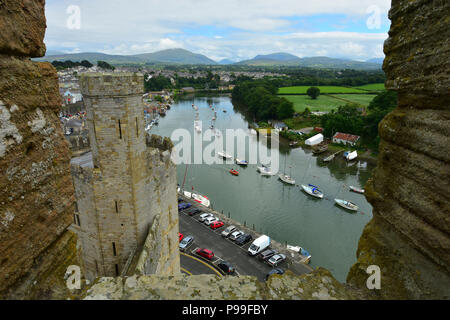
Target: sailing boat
x=203, y=200
x=346, y=204
x=313, y=191
x=284, y=177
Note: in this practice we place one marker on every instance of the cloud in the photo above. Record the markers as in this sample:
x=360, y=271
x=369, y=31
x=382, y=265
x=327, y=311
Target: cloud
x=227, y=29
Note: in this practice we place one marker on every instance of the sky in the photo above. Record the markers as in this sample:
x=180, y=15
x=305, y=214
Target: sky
x=226, y=29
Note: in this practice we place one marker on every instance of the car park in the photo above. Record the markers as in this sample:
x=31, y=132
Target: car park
x=210, y=220
x=216, y=225
x=205, y=253
x=205, y=215
x=186, y=242
x=274, y=271
x=267, y=254
x=180, y=237
x=226, y=267
x=235, y=235
x=276, y=259
x=225, y=233
x=184, y=205
x=243, y=239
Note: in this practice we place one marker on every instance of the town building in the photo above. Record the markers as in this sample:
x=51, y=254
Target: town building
x=345, y=138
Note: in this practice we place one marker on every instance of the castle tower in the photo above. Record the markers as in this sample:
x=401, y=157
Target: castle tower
x=114, y=184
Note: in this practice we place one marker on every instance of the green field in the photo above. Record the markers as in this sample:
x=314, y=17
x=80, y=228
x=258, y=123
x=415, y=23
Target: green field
x=372, y=87
x=326, y=103
x=323, y=89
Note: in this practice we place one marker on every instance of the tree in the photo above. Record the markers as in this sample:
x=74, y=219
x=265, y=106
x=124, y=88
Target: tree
x=86, y=64
x=313, y=92
x=105, y=65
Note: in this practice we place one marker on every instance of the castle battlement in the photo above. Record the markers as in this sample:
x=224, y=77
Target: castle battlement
x=112, y=84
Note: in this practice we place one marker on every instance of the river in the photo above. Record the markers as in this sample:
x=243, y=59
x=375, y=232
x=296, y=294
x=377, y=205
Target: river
x=284, y=212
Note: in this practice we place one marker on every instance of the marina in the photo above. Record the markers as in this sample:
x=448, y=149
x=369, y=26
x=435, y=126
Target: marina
x=281, y=210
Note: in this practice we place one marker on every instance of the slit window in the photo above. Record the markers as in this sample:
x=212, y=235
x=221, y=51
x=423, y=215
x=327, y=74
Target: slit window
x=76, y=219
x=76, y=206
x=120, y=130
x=117, y=269
x=137, y=128
x=114, y=249
x=117, y=206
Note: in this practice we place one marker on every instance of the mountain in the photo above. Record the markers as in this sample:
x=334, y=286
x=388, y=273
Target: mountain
x=286, y=59
x=169, y=56
x=226, y=61
x=376, y=60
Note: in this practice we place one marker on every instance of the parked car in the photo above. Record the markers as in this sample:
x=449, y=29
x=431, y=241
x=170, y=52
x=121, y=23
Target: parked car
x=210, y=220
x=186, y=242
x=206, y=253
x=205, y=215
x=259, y=245
x=194, y=211
x=184, y=205
x=276, y=259
x=235, y=235
x=216, y=225
x=243, y=239
x=180, y=200
x=266, y=254
x=226, y=267
x=180, y=237
x=225, y=233
x=274, y=271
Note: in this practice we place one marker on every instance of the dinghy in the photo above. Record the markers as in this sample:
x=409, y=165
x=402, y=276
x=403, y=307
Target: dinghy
x=351, y=156
x=355, y=189
x=313, y=191
x=346, y=204
x=234, y=172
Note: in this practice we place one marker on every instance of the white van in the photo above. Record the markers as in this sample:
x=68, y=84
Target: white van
x=259, y=245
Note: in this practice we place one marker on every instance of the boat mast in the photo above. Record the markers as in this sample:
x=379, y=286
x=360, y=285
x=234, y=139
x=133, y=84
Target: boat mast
x=184, y=179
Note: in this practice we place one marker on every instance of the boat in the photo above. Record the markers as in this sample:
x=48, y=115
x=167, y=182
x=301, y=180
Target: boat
x=265, y=171
x=287, y=179
x=350, y=155
x=313, y=191
x=355, y=189
x=346, y=204
x=148, y=127
x=304, y=254
x=224, y=155
x=293, y=143
x=329, y=158
x=203, y=200
x=224, y=111
x=241, y=162
x=320, y=149
x=195, y=107
x=198, y=129
x=234, y=172
x=284, y=177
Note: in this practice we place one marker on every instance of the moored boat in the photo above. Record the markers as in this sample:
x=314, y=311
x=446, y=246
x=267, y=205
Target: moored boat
x=241, y=162
x=286, y=178
x=224, y=155
x=265, y=171
x=350, y=155
x=313, y=191
x=203, y=200
x=234, y=172
x=346, y=204
x=355, y=189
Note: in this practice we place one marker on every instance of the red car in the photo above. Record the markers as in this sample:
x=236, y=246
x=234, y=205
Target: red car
x=216, y=224
x=205, y=253
x=180, y=236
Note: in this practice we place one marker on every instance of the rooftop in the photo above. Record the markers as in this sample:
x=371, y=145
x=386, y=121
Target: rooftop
x=346, y=137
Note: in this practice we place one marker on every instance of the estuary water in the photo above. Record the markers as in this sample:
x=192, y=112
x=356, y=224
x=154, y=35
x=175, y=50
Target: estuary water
x=284, y=212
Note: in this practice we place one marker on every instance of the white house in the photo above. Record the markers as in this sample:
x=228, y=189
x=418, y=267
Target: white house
x=345, y=138
x=318, y=138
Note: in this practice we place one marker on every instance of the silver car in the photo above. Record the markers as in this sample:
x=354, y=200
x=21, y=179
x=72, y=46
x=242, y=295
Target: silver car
x=235, y=235
x=225, y=233
x=210, y=220
x=186, y=242
x=276, y=259
x=203, y=216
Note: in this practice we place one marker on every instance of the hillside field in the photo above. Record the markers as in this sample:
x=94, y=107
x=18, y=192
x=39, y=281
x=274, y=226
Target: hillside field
x=326, y=103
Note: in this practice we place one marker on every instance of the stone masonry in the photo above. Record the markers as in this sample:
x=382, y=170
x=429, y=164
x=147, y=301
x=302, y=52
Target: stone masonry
x=125, y=185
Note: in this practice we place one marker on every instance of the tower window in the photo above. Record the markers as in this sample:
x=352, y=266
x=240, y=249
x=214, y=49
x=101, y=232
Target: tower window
x=120, y=130
x=137, y=129
x=117, y=269
x=114, y=248
x=117, y=206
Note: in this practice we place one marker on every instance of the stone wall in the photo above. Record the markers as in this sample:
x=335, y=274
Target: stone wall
x=36, y=198
x=408, y=236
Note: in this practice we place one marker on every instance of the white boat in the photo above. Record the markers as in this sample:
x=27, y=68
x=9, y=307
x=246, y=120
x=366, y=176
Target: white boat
x=224, y=155
x=346, y=204
x=198, y=129
x=355, y=189
x=253, y=131
x=195, y=107
x=203, y=200
x=350, y=155
x=148, y=127
x=305, y=255
x=265, y=171
x=313, y=191
x=241, y=162
x=286, y=178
